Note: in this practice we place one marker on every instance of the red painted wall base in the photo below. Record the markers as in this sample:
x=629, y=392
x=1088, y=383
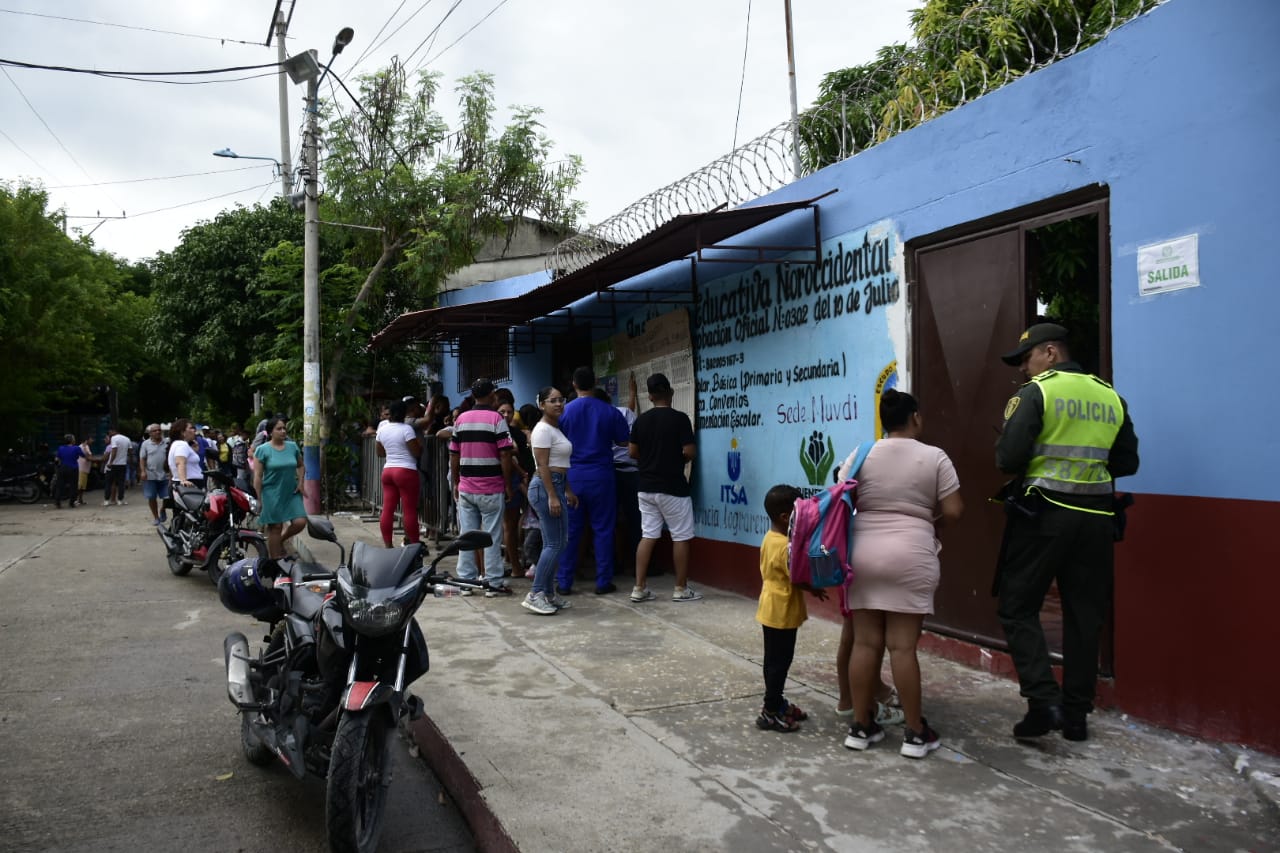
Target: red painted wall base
x=1196, y=591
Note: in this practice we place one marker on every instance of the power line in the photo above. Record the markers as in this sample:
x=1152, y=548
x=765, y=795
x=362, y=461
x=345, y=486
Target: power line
x=392, y=34
x=36, y=113
x=381, y=29
x=445, y=50
x=742, y=84
x=272, y=182
x=160, y=178
x=19, y=64
x=431, y=36
x=130, y=27
x=38, y=164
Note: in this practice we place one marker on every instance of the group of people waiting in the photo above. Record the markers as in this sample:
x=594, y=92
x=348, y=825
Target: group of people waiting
x=570, y=463
x=1066, y=436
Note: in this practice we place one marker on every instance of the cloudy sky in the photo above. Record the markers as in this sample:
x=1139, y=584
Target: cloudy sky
x=645, y=92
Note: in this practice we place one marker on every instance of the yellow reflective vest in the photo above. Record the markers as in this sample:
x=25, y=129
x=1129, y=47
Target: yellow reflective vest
x=1082, y=416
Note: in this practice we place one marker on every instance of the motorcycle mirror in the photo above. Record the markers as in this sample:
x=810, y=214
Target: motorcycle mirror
x=319, y=527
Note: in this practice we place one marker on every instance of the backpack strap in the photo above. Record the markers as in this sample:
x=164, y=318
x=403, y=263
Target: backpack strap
x=860, y=456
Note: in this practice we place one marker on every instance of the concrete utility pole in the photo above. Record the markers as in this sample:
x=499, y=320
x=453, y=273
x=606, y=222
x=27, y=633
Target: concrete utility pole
x=286, y=167
x=795, y=114
x=311, y=301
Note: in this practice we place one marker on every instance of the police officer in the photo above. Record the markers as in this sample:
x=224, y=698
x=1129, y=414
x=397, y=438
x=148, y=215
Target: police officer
x=1066, y=435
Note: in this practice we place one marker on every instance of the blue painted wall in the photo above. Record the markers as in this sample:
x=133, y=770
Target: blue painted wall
x=1175, y=113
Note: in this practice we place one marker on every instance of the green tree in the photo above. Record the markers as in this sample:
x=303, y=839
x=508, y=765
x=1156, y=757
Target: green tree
x=70, y=318
x=210, y=322
x=435, y=194
x=962, y=49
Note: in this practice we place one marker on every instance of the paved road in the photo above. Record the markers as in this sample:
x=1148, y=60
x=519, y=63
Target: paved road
x=115, y=730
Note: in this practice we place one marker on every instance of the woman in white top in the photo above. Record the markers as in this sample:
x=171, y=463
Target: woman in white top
x=399, y=444
x=549, y=493
x=184, y=462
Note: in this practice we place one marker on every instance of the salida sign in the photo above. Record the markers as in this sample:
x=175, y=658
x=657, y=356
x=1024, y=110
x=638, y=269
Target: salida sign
x=785, y=356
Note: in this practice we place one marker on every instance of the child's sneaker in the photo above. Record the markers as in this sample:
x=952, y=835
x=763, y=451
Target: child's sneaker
x=638, y=595
x=685, y=593
x=558, y=601
x=771, y=722
x=861, y=737
x=887, y=715
x=919, y=744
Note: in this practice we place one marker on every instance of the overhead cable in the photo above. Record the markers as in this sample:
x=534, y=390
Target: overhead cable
x=445, y=49
x=130, y=27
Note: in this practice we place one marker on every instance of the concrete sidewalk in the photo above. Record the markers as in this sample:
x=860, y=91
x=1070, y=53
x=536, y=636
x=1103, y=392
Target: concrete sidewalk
x=616, y=726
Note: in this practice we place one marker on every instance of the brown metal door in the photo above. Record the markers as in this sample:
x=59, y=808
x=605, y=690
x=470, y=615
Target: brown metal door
x=970, y=306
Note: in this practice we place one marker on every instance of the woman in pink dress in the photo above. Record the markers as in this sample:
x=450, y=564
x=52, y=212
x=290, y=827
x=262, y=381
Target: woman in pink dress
x=905, y=490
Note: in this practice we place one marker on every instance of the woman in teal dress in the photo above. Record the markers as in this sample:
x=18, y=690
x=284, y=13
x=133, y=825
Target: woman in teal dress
x=278, y=480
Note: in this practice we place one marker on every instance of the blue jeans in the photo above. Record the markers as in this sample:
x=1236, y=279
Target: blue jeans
x=555, y=530
x=596, y=498
x=482, y=512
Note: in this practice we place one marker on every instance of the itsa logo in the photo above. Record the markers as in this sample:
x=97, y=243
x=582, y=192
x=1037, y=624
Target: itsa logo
x=733, y=492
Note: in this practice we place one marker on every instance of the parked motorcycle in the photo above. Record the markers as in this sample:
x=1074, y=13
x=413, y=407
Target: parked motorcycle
x=330, y=686
x=24, y=487
x=208, y=529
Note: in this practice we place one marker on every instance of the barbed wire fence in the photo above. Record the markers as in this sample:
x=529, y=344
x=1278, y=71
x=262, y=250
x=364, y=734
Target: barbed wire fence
x=908, y=86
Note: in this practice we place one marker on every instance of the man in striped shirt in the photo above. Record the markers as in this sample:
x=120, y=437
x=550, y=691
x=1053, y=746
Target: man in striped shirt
x=480, y=453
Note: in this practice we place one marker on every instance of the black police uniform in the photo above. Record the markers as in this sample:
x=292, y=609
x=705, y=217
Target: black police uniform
x=1055, y=537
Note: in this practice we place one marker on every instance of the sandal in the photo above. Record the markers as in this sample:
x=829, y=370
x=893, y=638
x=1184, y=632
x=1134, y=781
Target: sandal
x=770, y=722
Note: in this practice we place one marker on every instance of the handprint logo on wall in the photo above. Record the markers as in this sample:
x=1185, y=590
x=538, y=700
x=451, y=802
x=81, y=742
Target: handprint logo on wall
x=817, y=458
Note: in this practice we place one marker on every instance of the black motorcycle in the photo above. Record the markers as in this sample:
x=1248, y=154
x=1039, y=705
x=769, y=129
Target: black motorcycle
x=330, y=685
x=208, y=527
x=24, y=487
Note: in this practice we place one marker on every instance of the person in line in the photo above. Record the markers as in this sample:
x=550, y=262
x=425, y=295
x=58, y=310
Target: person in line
x=521, y=466
x=593, y=427
x=480, y=467
x=184, y=461
x=115, y=464
x=278, y=479
x=551, y=497
x=398, y=444
x=85, y=465
x=1067, y=436
x=906, y=489
x=65, y=478
x=780, y=612
x=153, y=471
x=662, y=444
x=627, y=535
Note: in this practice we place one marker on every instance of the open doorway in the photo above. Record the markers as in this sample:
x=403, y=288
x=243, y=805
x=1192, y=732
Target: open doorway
x=975, y=288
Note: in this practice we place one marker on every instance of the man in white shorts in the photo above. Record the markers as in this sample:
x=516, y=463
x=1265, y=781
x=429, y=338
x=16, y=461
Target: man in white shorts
x=662, y=444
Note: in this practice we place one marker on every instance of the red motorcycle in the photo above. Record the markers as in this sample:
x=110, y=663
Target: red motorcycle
x=208, y=529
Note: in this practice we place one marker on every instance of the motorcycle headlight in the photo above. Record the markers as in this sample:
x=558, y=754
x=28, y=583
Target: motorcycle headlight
x=375, y=612
x=253, y=505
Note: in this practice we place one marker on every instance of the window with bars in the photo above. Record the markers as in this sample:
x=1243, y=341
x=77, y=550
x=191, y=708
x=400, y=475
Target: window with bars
x=483, y=356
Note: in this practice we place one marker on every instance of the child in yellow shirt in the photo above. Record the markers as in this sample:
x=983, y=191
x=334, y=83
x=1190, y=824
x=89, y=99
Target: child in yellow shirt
x=780, y=612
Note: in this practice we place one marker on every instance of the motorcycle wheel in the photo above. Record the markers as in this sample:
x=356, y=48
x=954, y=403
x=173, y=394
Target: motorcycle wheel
x=255, y=751
x=226, y=551
x=28, y=492
x=176, y=564
x=359, y=776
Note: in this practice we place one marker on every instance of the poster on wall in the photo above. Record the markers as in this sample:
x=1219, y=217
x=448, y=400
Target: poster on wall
x=1171, y=265
x=649, y=343
x=790, y=362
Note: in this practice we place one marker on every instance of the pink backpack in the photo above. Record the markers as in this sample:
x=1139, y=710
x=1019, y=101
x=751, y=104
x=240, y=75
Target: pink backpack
x=820, y=537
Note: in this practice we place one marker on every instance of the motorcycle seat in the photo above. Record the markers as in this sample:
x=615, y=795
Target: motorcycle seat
x=191, y=498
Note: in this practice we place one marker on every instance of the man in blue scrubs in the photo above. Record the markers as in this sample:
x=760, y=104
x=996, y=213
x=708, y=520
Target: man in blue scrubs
x=594, y=427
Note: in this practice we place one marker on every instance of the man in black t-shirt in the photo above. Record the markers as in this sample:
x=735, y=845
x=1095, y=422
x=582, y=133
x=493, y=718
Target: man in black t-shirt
x=662, y=444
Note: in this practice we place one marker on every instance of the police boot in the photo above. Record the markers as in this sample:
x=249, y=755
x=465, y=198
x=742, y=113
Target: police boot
x=1039, y=721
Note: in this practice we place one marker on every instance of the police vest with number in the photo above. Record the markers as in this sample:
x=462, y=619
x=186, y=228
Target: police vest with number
x=1082, y=417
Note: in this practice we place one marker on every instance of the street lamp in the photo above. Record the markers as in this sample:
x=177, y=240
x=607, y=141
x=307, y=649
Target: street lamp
x=304, y=68
x=286, y=185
